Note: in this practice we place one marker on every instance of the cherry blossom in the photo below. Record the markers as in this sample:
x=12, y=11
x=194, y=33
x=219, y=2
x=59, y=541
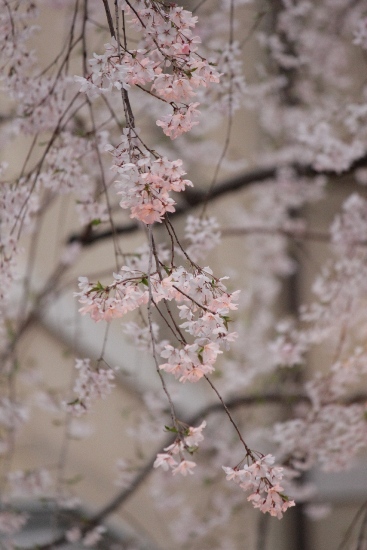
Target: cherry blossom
x=263, y=480
x=145, y=184
x=182, y=120
x=203, y=235
x=12, y=522
x=187, y=441
x=25, y=484
x=137, y=106
x=89, y=386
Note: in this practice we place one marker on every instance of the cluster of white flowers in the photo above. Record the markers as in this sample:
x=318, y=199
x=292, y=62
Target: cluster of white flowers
x=18, y=208
x=112, y=70
x=263, y=480
x=188, y=441
x=90, y=539
x=360, y=33
x=349, y=229
x=144, y=181
x=202, y=234
x=30, y=483
x=142, y=336
x=12, y=522
x=289, y=347
x=300, y=97
x=206, y=316
x=168, y=42
x=91, y=384
x=330, y=435
x=206, y=319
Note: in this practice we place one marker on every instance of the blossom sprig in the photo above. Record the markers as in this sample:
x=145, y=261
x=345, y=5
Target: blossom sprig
x=168, y=43
x=29, y=483
x=206, y=317
x=12, y=522
x=314, y=113
x=167, y=30
x=127, y=292
x=89, y=539
x=204, y=305
x=181, y=120
x=202, y=234
x=90, y=385
x=15, y=56
x=111, y=70
x=142, y=336
x=145, y=181
x=360, y=33
x=264, y=481
x=187, y=441
x=107, y=302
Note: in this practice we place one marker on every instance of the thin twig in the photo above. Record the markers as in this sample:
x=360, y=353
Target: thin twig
x=230, y=114
x=150, y=322
x=248, y=450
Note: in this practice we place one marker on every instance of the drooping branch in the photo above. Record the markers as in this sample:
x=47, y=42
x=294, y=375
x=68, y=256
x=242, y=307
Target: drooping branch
x=258, y=399
x=121, y=497
x=272, y=398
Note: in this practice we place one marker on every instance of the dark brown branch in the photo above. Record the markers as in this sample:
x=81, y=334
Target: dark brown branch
x=109, y=18
x=195, y=197
x=301, y=234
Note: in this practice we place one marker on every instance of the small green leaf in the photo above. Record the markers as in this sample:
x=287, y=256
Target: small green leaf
x=98, y=287
x=226, y=320
x=75, y=402
x=171, y=429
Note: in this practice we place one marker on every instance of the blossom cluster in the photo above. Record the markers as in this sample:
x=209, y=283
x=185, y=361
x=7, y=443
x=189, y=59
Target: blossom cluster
x=91, y=384
x=204, y=311
x=360, y=33
x=64, y=172
x=202, y=234
x=142, y=336
x=263, y=480
x=330, y=435
x=32, y=483
x=90, y=539
x=15, y=55
x=18, y=208
x=313, y=111
x=13, y=416
x=145, y=182
x=232, y=90
x=187, y=441
x=205, y=319
x=168, y=42
x=12, y=522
